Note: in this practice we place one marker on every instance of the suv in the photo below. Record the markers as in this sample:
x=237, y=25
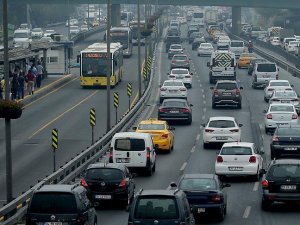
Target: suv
x=160, y=207
x=226, y=92
x=52, y=204
x=180, y=61
x=263, y=72
x=172, y=40
x=281, y=182
x=105, y=182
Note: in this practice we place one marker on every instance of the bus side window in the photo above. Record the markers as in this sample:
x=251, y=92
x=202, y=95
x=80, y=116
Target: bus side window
x=78, y=58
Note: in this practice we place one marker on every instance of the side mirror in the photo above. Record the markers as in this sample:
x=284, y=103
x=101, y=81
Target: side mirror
x=262, y=171
x=159, y=85
x=171, y=128
x=191, y=105
x=226, y=185
x=277, y=69
x=203, y=124
x=134, y=128
x=264, y=111
x=217, y=152
x=168, y=73
x=292, y=85
x=211, y=88
x=262, y=152
x=191, y=74
x=208, y=64
x=240, y=125
x=173, y=185
x=241, y=88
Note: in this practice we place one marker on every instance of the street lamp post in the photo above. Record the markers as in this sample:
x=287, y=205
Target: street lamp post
x=139, y=50
x=108, y=65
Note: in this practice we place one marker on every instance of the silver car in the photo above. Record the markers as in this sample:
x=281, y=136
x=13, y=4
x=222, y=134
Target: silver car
x=285, y=97
x=175, y=49
x=172, y=89
x=205, y=49
x=181, y=74
x=280, y=115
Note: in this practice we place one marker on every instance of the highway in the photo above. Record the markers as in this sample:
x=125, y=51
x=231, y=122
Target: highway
x=189, y=156
x=67, y=109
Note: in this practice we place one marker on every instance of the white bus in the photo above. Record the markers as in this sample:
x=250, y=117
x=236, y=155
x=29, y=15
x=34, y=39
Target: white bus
x=198, y=18
x=126, y=17
x=122, y=35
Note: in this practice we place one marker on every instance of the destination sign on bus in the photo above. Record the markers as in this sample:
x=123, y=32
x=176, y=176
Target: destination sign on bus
x=118, y=34
x=94, y=55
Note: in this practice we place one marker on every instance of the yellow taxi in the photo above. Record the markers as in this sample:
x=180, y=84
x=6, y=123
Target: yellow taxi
x=162, y=136
x=244, y=60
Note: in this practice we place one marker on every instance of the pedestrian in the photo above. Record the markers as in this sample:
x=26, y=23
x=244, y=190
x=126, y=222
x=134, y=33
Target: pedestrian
x=14, y=86
x=30, y=82
x=21, y=86
x=40, y=69
x=34, y=72
x=1, y=88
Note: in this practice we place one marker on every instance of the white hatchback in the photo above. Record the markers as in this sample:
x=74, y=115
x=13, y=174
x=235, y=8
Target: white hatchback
x=172, y=89
x=239, y=159
x=181, y=74
x=221, y=129
x=276, y=85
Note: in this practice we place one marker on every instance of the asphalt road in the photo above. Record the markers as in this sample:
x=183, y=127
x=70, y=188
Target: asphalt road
x=67, y=109
x=189, y=156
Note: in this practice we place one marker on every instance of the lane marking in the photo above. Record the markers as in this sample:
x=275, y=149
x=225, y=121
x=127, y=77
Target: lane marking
x=256, y=185
x=193, y=149
x=198, y=137
x=203, y=117
x=204, y=102
x=200, y=85
x=204, y=109
x=203, y=94
x=247, y=212
x=183, y=166
x=61, y=115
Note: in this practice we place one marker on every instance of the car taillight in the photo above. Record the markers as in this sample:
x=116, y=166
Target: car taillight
x=209, y=130
x=164, y=135
x=235, y=130
x=123, y=183
x=219, y=159
x=271, y=89
x=83, y=183
x=238, y=92
x=277, y=77
x=275, y=100
x=216, y=198
x=163, y=110
x=172, y=77
x=269, y=116
x=148, y=152
x=163, y=89
x=182, y=89
x=275, y=138
x=188, y=76
x=216, y=93
x=110, y=155
x=173, y=61
x=294, y=116
x=288, y=89
x=265, y=183
x=252, y=159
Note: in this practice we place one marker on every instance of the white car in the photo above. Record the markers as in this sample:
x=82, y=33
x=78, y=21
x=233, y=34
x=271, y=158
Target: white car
x=292, y=46
x=285, y=97
x=275, y=41
x=73, y=22
x=37, y=33
x=205, y=49
x=84, y=28
x=221, y=129
x=278, y=85
x=74, y=30
x=239, y=159
x=22, y=38
x=181, y=74
x=46, y=39
x=172, y=89
x=280, y=115
x=48, y=33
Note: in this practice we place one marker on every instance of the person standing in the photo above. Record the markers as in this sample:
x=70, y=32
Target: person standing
x=14, y=85
x=21, y=86
x=34, y=72
x=1, y=88
x=40, y=69
x=30, y=82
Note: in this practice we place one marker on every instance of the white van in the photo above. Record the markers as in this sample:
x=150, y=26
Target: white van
x=22, y=38
x=134, y=150
x=237, y=47
x=263, y=72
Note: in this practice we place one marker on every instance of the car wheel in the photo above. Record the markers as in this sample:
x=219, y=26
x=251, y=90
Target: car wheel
x=149, y=171
x=265, y=204
x=154, y=167
x=199, y=55
x=211, y=80
x=267, y=131
x=273, y=155
x=189, y=121
x=221, y=215
x=256, y=177
x=239, y=105
x=95, y=221
x=213, y=105
x=239, y=67
x=266, y=100
x=205, y=145
x=253, y=86
x=161, y=100
x=172, y=148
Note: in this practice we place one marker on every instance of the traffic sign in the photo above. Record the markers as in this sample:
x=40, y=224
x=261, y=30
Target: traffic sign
x=92, y=117
x=54, y=139
x=116, y=100
x=129, y=89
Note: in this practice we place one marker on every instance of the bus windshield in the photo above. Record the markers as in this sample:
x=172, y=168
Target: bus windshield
x=94, y=67
x=121, y=37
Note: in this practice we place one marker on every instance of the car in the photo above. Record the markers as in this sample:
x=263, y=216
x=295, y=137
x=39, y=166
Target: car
x=292, y=46
x=74, y=30
x=285, y=97
x=226, y=92
x=25, y=26
x=275, y=41
x=108, y=182
x=252, y=63
x=48, y=33
x=276, y=85
x=192, y=30
x=197, y=42
x=175, y=110
x=46, y=39
x=280, y=115
x=160, y=206
x=180, y=61
x=60, y=202
x=37, y=33
x=205, y=194
x=73, y=22
x=221, y=129
x=174, y=50
x=244, y=60
x=134, y=150
x=239, y=159
x=22, y=38
x=285, y=142
x=263, y=72
x=281, y=183
x=84, y=28
x=205, y=49
x=172, y=89
x=181, y=74
x=286, y=41
x=237, y=47
x=161, y=132
x=172, y=40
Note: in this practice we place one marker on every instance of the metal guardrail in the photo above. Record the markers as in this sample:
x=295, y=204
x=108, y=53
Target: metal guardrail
x=15, y=210
x=83, y=35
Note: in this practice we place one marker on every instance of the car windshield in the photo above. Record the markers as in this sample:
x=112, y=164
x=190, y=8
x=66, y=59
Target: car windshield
x=279, y=83
x=226, y=86
x=283, y=108
x=221, y=123
x=198, y=184
x=179, y=57
x=151, y=127
x=21, y=35
x=175, y=104
x=173, y=84
x=175, y=47
x=237, y=44
x=156, y=207
x=265, y=67
x=285, y=170
x=291, y=131
x=236, y=150
x=104, y=174
x=179, y=71
x=283, y=94
x=53, y=202
x=130, y=144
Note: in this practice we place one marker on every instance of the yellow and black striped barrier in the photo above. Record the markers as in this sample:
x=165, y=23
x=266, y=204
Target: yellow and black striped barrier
x=92, y=117
x=116, y=100
x=129, y=89
x=55, y=139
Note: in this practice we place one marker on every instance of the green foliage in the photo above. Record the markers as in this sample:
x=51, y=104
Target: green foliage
x=10, y=109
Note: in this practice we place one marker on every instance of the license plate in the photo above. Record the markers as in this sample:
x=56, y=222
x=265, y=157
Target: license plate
x=221, y=138
x=123, y=160
x=53, y=223
x=288, y=187
x=282, y=124
x=201, y=210
x=173, y=91
x=174, y=111
x=103, y=196
x=266, y=76
x=226, y=93
x=235, y=168
x=285, y=101
x=290, y=148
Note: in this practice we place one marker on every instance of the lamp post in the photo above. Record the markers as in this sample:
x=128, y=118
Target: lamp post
x=108, y=64
x=139, y=50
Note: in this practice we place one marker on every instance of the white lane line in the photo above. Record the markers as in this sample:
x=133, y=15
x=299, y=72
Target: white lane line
x=247, y=212
x=204, y=102
x=204, y=109
x=203, y=117
x=193, y=149
x=200, y=85
x=198, y=137
x=255, y=187
x=203, y=95
x=183, y=166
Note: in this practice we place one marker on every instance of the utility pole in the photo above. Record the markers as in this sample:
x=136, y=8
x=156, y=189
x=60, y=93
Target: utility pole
x=28, y=13
x=139, y=50
x=69, y=34
x=9, y=193
x=146, y=27
x=108, y=65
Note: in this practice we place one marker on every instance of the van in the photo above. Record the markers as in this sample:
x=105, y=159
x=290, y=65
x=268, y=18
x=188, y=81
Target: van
x=263, y=72
x=134, y=150
x=22, y=38
x=237, y=47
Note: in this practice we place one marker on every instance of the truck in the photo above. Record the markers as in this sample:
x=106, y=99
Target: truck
x=222, y=66
x=286, y=32
x=258, y=32
x=211, y=17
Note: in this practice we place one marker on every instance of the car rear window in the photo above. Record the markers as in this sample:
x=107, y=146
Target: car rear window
x=53, y=203
x=288, y=131
x=175, y=104
x=173, y=39
x=221, y=123
x=236, y=44
x=285, y=95
x=176, y=47
x=201, y=184
x=236, y=150
x=104, y=174
x=130, y=144
x=284, y=108
x=284, y=170
x=279, y=83
x=266, y=67
x=227, y=86
x=179, y=57
x=173, y=84
x=179, y=71
x=151, y=127
x=156, y=208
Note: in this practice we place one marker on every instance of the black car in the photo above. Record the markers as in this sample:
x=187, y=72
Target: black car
x=281, y=182
x=195, y=35
x=162, y=207
x=197, y=42
x=226, y=92
x=285, y=142
x=205, y=193
x=252, y=63
x=108, y=182
x=52, y=204
x=172, y=40
x=175, y=109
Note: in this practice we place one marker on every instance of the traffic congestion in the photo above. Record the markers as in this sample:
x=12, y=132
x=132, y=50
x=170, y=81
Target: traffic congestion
x=217, y=141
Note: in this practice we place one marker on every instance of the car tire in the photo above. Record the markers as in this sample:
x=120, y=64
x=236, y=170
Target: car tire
x=266, y=100
x=95, y=220
x=161, y=100
x=267, y=131
x=213, y=105
x=273, y=155
x=189, y=121
x=239, y=105
x=198, y=55
x=205, y=145
x=253, y=86
x=149, y=171
x=154, y=167
x=211, y=80
x=256, y=177
x=265, y=204
x=221, y=215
